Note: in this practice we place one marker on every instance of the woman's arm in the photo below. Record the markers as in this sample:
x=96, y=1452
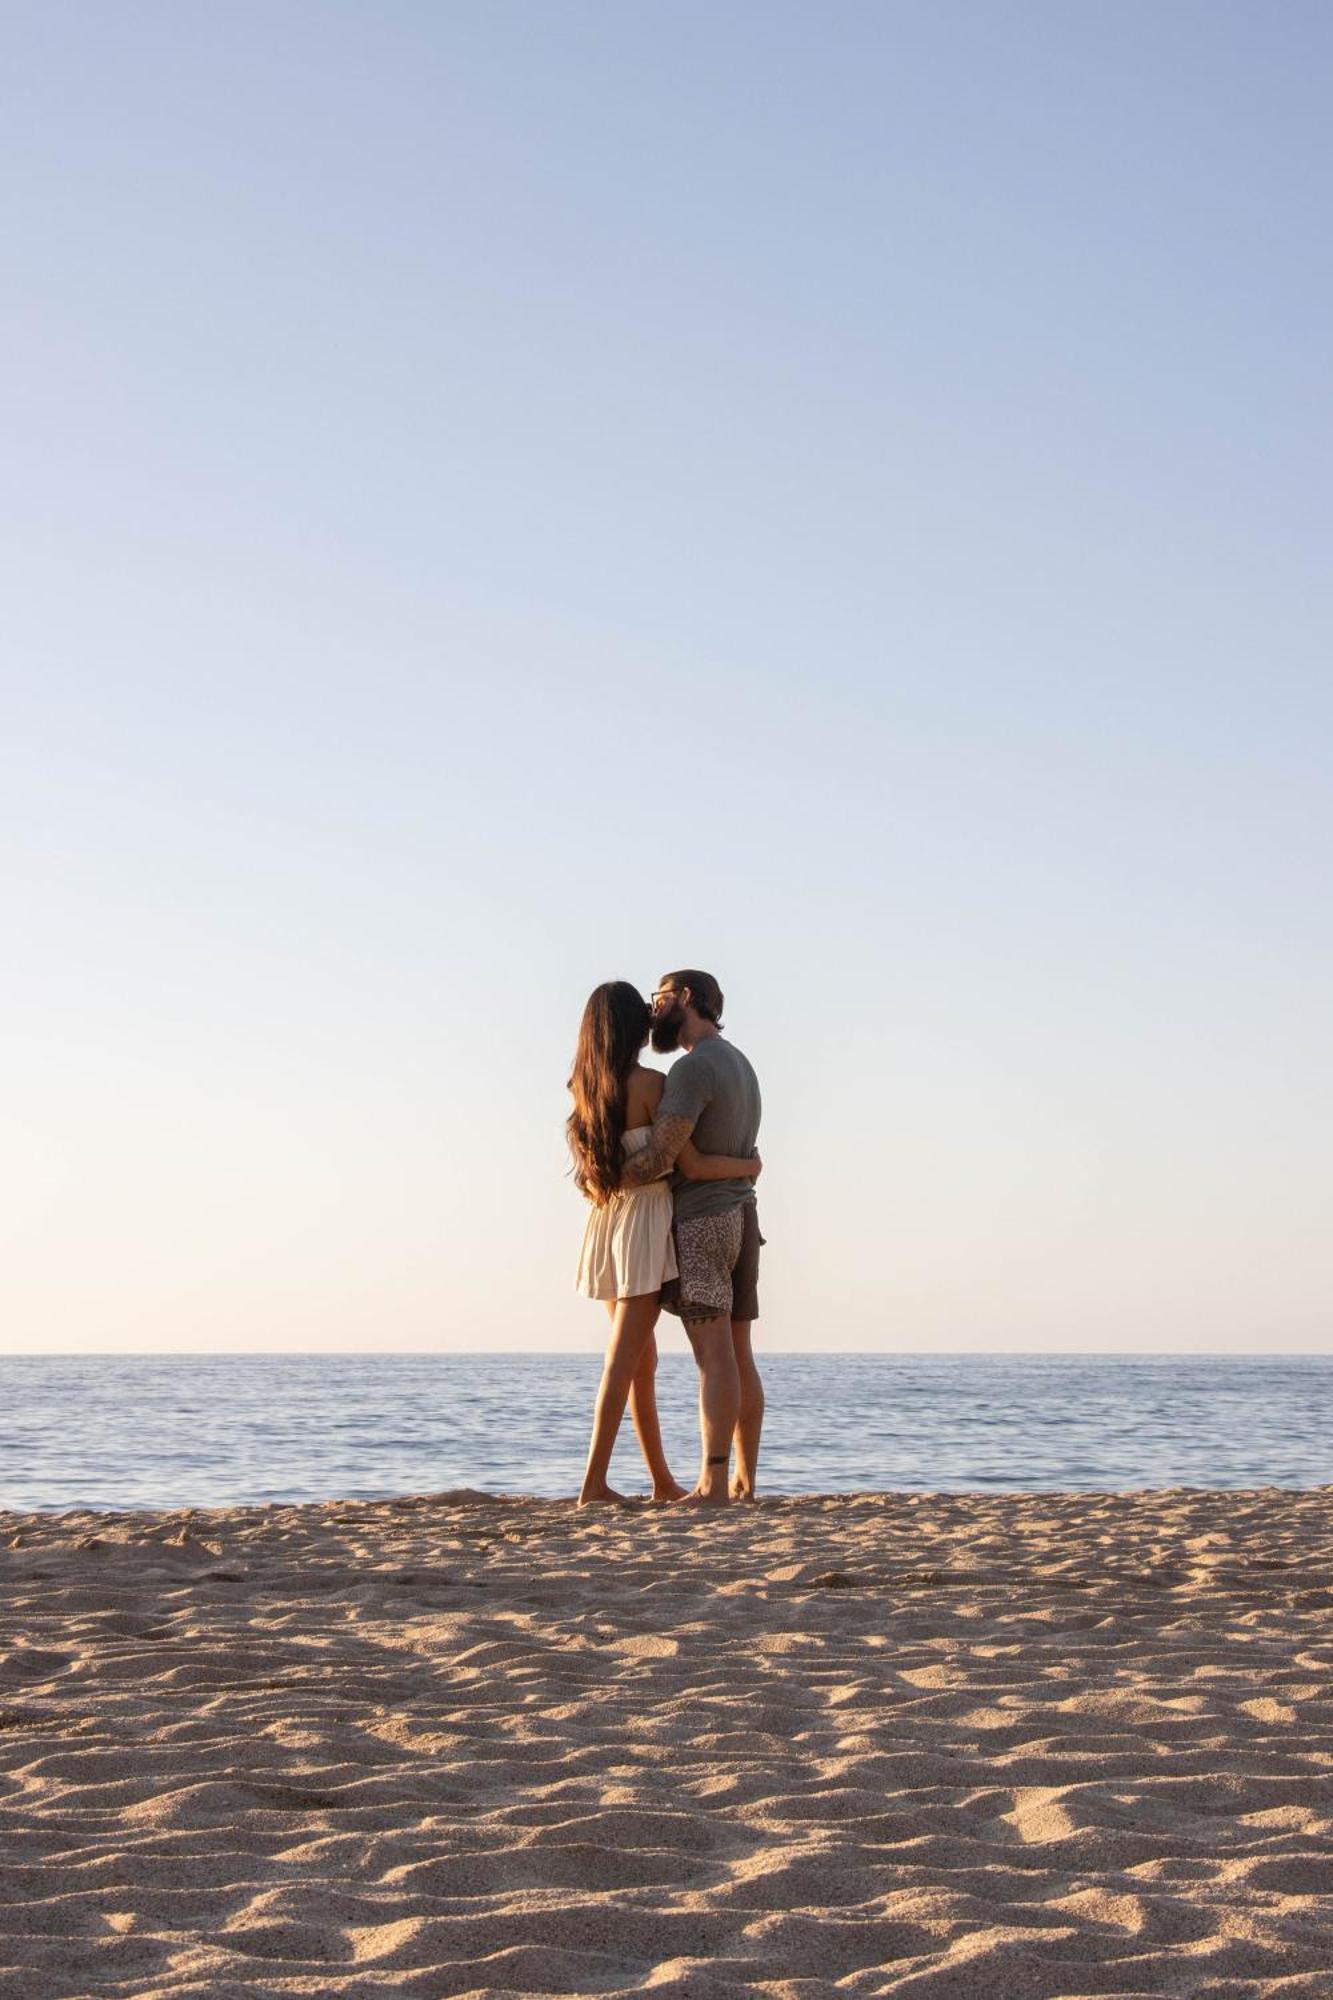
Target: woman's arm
x=697, y=1166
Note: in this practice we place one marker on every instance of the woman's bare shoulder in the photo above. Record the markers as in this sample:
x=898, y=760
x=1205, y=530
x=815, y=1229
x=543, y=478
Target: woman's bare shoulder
x=644, y=1094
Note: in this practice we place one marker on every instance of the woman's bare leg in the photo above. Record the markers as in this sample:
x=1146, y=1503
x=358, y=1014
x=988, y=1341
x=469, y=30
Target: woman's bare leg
x=632, y=1323
x=643, y=1409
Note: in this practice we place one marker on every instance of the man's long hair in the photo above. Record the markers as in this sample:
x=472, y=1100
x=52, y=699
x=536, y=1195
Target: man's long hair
x=612, y=1032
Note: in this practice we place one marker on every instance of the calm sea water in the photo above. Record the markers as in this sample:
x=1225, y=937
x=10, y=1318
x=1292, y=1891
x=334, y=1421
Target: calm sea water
x=213, y=1430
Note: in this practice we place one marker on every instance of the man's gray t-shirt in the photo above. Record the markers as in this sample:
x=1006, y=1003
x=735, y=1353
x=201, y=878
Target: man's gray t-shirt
x=715, y=1086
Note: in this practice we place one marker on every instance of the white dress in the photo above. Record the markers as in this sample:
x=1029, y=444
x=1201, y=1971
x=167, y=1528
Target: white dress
x=628, y=1248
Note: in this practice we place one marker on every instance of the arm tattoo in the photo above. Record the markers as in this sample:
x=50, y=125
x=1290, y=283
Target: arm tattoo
x=652, y=1160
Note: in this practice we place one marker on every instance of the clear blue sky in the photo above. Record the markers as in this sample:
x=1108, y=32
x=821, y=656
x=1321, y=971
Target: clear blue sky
x=506, y=496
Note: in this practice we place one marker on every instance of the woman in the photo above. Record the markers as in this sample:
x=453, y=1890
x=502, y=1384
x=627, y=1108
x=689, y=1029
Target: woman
x=627, y=1246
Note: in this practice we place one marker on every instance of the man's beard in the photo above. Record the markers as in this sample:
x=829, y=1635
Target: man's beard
x=666, y=1032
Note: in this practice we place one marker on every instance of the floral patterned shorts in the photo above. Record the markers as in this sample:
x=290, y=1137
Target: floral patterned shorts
x=718, y=1257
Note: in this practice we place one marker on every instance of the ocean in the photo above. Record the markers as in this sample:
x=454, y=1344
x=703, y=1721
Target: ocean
x=167, y=1431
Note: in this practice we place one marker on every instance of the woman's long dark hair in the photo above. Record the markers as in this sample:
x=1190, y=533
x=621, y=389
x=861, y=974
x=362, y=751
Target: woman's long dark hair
x=612, y=1032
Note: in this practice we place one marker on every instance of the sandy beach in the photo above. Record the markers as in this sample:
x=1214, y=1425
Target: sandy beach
x=971, y=1748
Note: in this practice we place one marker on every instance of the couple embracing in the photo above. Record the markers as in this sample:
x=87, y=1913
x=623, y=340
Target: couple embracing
x=668, y=1164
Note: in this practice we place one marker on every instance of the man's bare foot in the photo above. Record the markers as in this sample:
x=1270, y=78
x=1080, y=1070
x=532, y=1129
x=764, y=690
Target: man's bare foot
x=662, y=1494
x=602, y=1496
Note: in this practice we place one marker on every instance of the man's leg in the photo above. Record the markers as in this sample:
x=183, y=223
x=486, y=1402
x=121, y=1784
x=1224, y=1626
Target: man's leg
x=719, y=1404
x=750, y=1422
x=744, y=1312
x=707, y=1248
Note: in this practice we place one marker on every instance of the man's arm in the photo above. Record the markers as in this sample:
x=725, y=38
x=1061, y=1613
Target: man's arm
x=659, y=1155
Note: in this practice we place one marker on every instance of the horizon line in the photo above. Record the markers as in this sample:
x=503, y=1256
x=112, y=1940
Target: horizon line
x=772, y=1353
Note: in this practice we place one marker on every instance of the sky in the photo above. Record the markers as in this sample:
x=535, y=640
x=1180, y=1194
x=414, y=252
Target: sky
x=504, y=496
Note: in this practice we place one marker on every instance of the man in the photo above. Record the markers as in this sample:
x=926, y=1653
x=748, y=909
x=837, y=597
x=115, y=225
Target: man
x=712, y=1094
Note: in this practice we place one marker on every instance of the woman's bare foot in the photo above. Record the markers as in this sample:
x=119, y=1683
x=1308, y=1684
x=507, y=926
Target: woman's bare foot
x=739, y=1491
x=701, y=1499
x=662, y=1494
x=601, y=1496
